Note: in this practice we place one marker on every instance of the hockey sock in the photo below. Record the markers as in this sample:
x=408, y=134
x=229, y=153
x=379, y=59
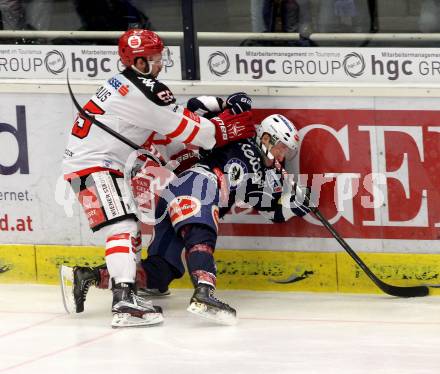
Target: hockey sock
x=120, y=250
x=200, y=240
x=137, y=246
x=104, y=277
x=201, y=264
x=120, y=259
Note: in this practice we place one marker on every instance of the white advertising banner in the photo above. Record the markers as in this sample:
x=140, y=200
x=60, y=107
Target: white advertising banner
x=82, y=62
x=33, y=134
x=308, y=64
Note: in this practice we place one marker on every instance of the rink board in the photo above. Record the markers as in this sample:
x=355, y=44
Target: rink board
x=373, y=163
x=17, y=264
x=369, y=130
x=240, y=269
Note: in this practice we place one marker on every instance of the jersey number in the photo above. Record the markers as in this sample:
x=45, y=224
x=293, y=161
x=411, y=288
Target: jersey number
x=82, y=125
x=166, y=96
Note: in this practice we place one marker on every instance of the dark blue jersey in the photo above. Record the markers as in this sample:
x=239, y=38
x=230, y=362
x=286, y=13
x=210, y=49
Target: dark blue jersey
x=208, y=190
x=246, y=179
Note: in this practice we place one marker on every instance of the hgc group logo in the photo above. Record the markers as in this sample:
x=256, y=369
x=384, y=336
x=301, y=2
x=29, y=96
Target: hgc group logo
x=279, y=65
x=218, y=63
x=55, y=62
x=354, y=64
x=167, y=59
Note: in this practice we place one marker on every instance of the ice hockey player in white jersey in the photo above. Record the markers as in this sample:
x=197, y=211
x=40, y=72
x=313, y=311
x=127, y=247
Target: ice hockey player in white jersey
x=139, y=107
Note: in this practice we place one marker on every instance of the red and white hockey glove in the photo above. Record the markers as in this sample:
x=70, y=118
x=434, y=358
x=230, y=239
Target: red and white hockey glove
x=232, y=127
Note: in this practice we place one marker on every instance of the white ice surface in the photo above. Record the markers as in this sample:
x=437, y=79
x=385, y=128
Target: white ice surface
x=276, y=333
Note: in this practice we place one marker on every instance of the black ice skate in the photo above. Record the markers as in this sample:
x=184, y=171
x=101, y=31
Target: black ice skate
x=83, y=278
x=75, y=283
x=205, y=304
x=130, y=310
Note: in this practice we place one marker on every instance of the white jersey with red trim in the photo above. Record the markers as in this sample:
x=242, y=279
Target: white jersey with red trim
x=143, y=110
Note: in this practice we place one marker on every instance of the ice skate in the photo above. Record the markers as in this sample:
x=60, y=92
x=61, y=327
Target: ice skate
x=205, y=304
x=83, y=278
x=75, y=283
x=130, y=310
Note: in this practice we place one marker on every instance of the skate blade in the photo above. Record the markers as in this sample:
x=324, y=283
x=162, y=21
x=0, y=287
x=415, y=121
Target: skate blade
x=66, y=283
x=121, y=320
x=219, y=316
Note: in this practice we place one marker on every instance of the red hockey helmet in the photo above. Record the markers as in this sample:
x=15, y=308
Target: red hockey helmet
x=138, y=43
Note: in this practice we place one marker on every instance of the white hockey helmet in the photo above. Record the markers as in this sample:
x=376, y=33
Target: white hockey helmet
x=280, y=129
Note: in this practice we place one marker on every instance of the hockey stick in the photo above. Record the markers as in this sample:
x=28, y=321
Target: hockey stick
x=108, y=129
x=400, y=291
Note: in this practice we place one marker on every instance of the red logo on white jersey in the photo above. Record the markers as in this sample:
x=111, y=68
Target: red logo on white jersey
x=123, y=90
x=183, y=207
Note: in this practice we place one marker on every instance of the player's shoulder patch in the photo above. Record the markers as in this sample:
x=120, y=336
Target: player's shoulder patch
x=236, y=170
x=118, y=85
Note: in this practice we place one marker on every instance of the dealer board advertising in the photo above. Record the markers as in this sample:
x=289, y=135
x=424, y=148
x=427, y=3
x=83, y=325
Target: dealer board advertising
x=308, y=64
x=82, y=62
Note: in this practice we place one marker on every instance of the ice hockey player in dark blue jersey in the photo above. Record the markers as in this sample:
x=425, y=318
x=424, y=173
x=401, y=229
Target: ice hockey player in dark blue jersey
x=187, y=214
x=248, y=171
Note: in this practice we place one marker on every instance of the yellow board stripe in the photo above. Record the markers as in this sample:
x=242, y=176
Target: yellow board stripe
x=395, y=268
x=17, y=264
x=240, y=269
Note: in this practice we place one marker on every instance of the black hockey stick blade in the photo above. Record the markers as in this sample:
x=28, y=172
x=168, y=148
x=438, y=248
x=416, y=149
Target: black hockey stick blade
x=108, y=129
x=399, y=291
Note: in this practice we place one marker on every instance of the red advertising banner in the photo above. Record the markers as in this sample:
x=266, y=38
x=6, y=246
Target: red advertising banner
x=376, y=172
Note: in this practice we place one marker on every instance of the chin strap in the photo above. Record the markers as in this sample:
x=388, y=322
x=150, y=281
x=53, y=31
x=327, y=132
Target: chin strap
x=266, y=151
x=140, y=72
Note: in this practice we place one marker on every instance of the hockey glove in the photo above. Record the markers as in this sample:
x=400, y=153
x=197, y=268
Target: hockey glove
x=300, y=200
x=238, y=103
x=295, y=199
x=206, y=106
x=229, y=127
x=293, y=203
